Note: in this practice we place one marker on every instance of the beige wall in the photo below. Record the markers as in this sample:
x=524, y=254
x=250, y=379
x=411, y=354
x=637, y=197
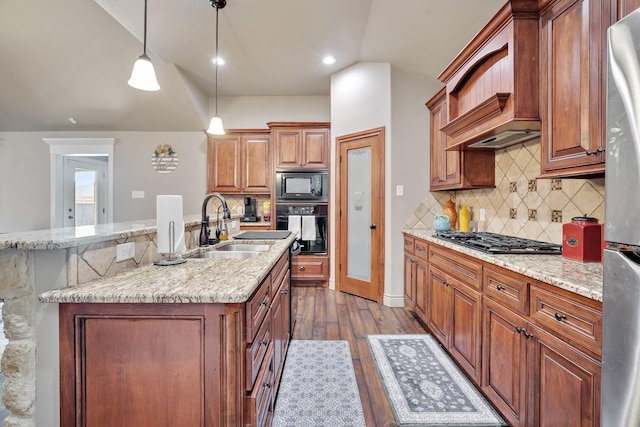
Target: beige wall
x=521, y=205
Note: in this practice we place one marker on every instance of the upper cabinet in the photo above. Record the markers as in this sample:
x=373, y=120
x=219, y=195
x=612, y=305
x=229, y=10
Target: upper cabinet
x=492, y=85
x=625, y=7
x=301, y=145
x=240, y=162
x=455, y=169
x=574, y=73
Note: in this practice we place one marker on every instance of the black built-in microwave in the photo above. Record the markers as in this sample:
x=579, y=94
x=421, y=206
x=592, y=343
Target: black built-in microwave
x=302, y=185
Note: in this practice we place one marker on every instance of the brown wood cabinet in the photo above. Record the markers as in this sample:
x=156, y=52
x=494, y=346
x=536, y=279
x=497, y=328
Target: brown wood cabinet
x=416, y=273
x=300, y=145
x=240, y=162
x=552, y=354
x=624, y=7
x=455, y=170
x=573, y=91
x=310, y=270
x=534, y=349
x=175, y=364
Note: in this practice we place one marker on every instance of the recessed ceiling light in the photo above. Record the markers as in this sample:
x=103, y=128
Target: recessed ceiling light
x=219, y=60
x=73, y=121
x=328, y=60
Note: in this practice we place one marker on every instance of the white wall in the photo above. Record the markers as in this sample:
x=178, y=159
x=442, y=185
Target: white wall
x=371, y=95
x=25, y=169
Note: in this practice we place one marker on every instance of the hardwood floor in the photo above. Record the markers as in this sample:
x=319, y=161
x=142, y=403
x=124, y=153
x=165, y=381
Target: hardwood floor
x=323, y=314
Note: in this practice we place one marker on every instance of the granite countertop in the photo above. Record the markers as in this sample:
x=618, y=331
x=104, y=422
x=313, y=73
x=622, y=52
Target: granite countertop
x=199, y=280
x=582, y=278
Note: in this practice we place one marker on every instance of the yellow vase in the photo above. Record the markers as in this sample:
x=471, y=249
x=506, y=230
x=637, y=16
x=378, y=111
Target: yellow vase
x=465, y=218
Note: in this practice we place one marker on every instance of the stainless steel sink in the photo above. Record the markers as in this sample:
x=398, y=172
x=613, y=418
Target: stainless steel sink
x=214, y=254
x=246, y=247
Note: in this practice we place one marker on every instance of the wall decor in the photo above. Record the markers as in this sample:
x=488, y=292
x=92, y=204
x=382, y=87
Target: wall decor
x=164, y=159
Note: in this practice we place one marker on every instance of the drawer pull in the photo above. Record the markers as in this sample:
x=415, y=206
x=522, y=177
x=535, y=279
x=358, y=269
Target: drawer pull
x=500, y=288
x=263, y=303
x=301, y=268
x=519, y=329
x=526, y=335
x=267, y=385
x=265, y=343
x=284, y=291
x=560, y=317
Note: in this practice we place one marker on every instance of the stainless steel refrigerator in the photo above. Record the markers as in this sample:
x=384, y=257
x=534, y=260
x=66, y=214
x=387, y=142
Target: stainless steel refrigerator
x=621, y=300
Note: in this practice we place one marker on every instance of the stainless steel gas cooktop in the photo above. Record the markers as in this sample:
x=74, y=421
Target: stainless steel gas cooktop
x=499, y=244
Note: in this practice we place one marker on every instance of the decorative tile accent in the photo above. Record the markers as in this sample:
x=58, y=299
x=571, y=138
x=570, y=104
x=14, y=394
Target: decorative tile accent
x=533, y=213
x=556, y=184
x=556, y=216
x=513, y=187
x=513, y=213
x=533, y=185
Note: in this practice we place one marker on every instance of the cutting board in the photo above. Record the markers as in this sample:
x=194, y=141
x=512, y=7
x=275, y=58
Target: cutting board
x=263, y=235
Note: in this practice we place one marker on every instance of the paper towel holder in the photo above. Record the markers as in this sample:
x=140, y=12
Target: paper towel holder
x=173, y=258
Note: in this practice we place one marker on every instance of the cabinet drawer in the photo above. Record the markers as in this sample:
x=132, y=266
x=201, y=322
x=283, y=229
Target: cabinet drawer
x=456, y=265
x=421, y=249
x=256, y=352
x=565, y=315
x=277, y=273
x=511, y=290
x=409, y=243
x=309, y=268
x=259, y=406
x=257, y=308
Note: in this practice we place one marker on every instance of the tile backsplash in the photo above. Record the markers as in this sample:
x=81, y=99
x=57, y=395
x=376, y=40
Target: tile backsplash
x=521, y=205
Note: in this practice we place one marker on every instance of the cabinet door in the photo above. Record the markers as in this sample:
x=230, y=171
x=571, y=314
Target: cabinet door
x=224, y=160
x=280, y=321
x=465, y=332
x=288, y=148
x=409, y=283
x=420, y=278
x=315, y=150
x=438, y=317
x=567, y=383
x=257, y=172
x=504, y=361
x=445, y=165
x=573, y=86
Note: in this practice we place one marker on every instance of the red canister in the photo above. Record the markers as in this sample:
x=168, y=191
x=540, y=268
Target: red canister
x=582, y=239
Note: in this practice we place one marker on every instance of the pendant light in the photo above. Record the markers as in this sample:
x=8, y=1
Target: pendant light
x=215, y=126
x=143, y=76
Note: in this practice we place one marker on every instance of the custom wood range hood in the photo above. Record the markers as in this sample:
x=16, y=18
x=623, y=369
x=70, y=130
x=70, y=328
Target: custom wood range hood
x=492, y=86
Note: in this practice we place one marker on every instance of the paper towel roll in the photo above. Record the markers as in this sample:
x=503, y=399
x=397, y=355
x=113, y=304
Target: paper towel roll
x=169, y=208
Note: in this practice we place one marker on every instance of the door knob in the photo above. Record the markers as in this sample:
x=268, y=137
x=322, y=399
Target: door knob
x=372, y=226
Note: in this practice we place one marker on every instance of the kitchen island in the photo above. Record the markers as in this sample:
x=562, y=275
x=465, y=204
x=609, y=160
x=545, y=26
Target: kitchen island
x=77, y=266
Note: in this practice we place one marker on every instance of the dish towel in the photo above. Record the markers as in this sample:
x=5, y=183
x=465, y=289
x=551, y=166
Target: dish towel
x=169, y=208
x=308, y=227
x=295, y=224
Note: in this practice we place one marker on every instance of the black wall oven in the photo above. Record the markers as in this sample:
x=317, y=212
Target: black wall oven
x=302, y=186
x=309, y=220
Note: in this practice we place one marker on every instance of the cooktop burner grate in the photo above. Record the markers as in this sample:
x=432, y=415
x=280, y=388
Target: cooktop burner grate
x=499, y=244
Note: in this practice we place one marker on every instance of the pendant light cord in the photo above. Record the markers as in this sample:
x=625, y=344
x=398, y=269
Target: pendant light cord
x=217, y=60
x=144, y=40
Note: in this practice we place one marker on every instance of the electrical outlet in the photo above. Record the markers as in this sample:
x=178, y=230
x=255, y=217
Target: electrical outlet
x=125, y=251
x=400, y=190
x=137, y=194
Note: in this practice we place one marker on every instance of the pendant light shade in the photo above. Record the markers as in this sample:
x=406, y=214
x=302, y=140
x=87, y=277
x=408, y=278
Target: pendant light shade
x=215, y=126
x=143, y=75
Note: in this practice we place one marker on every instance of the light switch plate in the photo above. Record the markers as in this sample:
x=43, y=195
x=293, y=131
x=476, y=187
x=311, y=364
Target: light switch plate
x=139, y=194
x=400, y=190
x=125, y=251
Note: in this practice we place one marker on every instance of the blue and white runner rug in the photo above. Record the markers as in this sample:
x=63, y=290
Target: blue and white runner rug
x=425, y=387
x=318, y=387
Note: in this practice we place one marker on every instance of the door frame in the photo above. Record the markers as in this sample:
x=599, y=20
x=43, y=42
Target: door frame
x=377, y=213
x=58, y=148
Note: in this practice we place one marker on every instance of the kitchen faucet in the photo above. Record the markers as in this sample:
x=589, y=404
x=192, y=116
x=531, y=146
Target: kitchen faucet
x=204, y=231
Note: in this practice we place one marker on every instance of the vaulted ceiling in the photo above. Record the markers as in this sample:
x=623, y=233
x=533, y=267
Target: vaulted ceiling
x=72, y=58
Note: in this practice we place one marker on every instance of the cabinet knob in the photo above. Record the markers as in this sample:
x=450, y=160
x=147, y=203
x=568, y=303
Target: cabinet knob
x=600, y=149
x=372, y=226
x=284, y=291
x=590, y=152
x=526, y=335
x=263, y=303
x=519, y=329
x=560, y=317
x=265, y=343
x=500, y=288
x=301, y=268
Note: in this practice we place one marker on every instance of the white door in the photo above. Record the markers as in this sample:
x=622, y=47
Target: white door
x=84, y=191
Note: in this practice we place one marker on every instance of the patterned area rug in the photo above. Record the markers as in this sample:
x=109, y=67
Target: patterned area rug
x=425, y=387
x=318, y=387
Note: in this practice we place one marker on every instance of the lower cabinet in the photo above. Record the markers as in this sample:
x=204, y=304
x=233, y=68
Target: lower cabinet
x=146, y=364
x=534, y=349
x=310, y=270
x=416, y=273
